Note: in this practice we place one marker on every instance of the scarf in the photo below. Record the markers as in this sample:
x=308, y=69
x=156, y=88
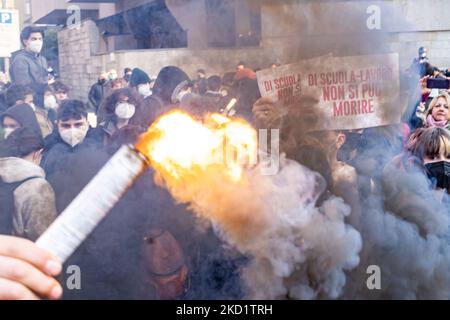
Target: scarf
x=434, y=123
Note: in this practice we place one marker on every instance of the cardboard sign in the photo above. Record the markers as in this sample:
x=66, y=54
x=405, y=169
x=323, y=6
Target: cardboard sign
x=343, y=92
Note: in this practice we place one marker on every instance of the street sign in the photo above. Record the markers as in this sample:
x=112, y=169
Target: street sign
x=6, y=18
x=9, y=32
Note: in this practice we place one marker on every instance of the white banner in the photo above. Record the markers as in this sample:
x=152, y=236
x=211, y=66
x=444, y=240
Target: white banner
x=342, y=92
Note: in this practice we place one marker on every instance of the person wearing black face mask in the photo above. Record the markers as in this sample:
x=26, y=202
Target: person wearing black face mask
x=439, y=173
x=99, y=90
x=432, y=147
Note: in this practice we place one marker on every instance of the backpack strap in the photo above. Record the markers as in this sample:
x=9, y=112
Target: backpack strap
x=7, y=207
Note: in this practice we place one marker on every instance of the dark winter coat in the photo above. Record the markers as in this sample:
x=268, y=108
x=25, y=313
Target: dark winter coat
x=24, y=115
x=97, y=93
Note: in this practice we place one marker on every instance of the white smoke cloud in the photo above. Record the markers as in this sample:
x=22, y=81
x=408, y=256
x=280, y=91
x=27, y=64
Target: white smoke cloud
x=410, y=244
x=297, y=250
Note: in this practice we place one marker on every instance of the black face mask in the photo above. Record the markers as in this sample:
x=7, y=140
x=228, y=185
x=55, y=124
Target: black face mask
x=101, y=81
x=439, y=174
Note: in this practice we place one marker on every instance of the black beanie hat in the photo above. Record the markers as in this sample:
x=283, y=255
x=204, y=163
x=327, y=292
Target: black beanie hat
x=138, y=76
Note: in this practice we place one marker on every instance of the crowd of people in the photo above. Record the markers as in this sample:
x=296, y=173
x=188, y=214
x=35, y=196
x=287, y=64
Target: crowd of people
x=51, y=146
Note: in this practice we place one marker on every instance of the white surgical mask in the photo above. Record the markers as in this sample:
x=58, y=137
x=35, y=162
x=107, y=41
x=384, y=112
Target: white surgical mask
x=144, y=90
x=50, y=102
x=36, y=46
x=7, y=132
x=125, y=110
x=73, y=136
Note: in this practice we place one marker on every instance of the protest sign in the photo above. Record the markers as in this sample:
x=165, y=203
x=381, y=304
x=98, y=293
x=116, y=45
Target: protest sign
x=342, y=92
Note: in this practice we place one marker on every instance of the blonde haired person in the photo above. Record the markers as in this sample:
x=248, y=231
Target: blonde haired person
x=438, y=113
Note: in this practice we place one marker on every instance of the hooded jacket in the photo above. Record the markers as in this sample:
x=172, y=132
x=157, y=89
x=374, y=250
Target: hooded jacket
x=168, y=79
x=97, y=93
x=29, y=69
x=34, y=199
x=23, y=114
x=166, y=82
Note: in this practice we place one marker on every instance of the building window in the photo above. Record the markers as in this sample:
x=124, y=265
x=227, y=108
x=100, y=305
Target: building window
x=229, y=26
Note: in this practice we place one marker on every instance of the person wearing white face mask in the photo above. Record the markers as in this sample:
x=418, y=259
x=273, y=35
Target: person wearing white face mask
x=9, y=126
x=73, y=131
x=50, y=102
x=72, y=134
x=145, y=90
x=19, y=116
x=124, y=112
x=141, y=81
x=28, y=66
x=72, y=154
x=72, y=124
x=112, y=75
x=118, y=110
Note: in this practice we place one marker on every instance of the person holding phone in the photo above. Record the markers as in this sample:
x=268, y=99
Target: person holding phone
x=438, y=82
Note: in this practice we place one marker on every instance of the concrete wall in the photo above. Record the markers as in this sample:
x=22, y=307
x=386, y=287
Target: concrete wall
x=79, y=68
x=215, y=61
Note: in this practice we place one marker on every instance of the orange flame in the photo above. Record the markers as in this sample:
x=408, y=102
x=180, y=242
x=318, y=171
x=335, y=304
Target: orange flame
x=181, y=147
